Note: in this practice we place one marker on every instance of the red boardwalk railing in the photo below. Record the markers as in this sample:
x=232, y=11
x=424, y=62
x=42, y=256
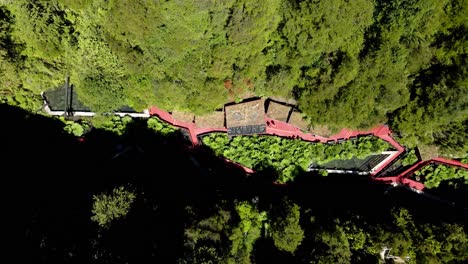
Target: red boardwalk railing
x=283, y=129
x=403, y=178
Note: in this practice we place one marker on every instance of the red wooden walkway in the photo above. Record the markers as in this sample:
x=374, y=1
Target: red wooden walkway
x=279, y=128
x=275, y=127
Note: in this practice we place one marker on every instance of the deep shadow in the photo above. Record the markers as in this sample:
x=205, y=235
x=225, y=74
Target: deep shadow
x=51, y=177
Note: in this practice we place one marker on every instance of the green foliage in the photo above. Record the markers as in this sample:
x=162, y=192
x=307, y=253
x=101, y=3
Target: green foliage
x=43, y=33
x=246, y=233
x=443, y=91
x=285, y=228
x=356, y=235
x=161, y=127
x=110, y=207
x=115, y=124
x=204, y=239
x=75, y=4
x=323, y=42
x=434, y=174
x=406, y=233
x=39, y=25
x=347, y=63
x=75, y=128
x=100, y=77
x=348, y=239
x=410, y=158
x=360, y=148
x=328, y=26
x=323, y=172
x=333, y=243
x=211, y=228
x=11, y=90
x=203, y=255
x=289, y=156
x=21, y=97
x=426, y=243
x=438, y=112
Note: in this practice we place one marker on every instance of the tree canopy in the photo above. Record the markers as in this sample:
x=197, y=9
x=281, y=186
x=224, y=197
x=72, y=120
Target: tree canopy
x=347, y=63
x=109, y=207
x=286, y=230
x=289, y=157
x=203, y=210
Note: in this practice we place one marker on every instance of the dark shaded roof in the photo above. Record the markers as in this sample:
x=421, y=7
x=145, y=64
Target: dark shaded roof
x=355, y=164
x=278, y=111
x=57, y=101
x=246, y=130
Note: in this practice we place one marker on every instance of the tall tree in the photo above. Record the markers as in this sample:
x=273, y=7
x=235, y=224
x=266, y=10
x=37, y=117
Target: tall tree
x=285, y=228
x=246, y=233
x=113, y=206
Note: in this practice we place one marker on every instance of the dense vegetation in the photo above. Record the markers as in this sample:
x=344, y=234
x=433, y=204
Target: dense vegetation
x=110, y=207
x=409, y=158
x=434, y=174
x=289, y=157
x=348, y=63
x=114, y=124
x=76, y=128
x=106, y=205
x=345, y=240
x=269, y=151
x=161, y=127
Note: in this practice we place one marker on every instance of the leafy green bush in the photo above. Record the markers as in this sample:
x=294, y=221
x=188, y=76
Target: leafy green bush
x=74, y=128
x=109, y=207
x=465, y=160
x=410, y=158
x=160, y=127
x=243, y=236
x=323, y=173
x=115, y=124
x=360, y=148
x=348, y=63
x=77, y=128
x=433, y=174
x=20, y=98
x=286, y=230
x=288, y=156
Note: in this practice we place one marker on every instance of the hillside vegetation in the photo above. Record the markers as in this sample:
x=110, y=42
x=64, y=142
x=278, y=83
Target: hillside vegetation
x=347, y=63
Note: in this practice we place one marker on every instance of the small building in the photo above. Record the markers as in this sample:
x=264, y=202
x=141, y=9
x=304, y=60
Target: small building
x=245, y=118
x=278, y=111
x=64, y=101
